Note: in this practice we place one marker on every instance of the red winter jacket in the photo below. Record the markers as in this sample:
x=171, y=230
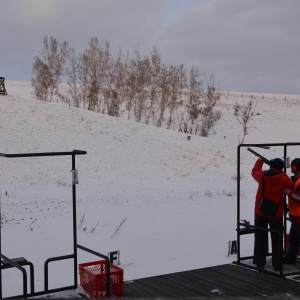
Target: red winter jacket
x=294, y=201
x=275, y=182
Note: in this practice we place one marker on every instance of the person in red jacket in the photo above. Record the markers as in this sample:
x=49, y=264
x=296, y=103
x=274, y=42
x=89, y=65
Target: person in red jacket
x=294, y=214
x=275, y=181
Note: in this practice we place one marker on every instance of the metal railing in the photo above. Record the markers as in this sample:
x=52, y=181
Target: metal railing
x=248, y=229
x=10, y=263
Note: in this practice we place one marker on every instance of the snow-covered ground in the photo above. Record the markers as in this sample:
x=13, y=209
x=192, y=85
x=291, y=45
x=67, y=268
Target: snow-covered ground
x=167, y=203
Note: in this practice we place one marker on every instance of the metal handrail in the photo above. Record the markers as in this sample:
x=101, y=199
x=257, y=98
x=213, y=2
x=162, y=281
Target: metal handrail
x=73, y=154
x=279, y=232
x=31, y=269
x=46, y=273
x=14, y=264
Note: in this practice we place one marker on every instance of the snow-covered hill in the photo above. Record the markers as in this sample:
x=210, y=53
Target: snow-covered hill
x=167, y=203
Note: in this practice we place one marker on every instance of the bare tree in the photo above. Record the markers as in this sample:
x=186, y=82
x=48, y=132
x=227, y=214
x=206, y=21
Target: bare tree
x=42, y=81
x=118, y=89
x=73, y=81
x=165, y=91
x=131, y=84
x=177, y=84
x=193, y=105
x=244, y=114
x=83, y=75
x=209, y=114
x=93, y=75
x=151, y=111
x=105, y=70
x=48, y=68
x=139, y=82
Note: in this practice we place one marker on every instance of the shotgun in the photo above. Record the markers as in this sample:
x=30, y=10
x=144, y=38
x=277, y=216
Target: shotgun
x=266, y=161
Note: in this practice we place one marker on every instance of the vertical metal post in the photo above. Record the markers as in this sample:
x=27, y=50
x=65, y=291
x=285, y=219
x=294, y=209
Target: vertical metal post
x=0, y=248
x=283, y=241
x=74, y=222
x=238, y=202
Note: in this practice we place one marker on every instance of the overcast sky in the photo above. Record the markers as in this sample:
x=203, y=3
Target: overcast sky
x=249, y=45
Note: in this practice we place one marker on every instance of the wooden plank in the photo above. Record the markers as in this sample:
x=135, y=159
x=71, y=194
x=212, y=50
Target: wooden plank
x=218, y=282
x=196, y=282
x=247, y=282
x=225, y=281
x=171, y=284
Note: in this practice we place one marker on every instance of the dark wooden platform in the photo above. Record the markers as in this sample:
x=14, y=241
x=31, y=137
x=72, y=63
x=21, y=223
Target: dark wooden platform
x=220, y=281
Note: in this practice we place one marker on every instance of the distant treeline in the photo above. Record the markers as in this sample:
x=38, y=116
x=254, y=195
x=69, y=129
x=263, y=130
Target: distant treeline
x=139, y=87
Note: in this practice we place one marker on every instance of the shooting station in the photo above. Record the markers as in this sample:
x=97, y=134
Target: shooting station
x=228, y=280
x=2, y=86
x=20, y=263
x=244, y=228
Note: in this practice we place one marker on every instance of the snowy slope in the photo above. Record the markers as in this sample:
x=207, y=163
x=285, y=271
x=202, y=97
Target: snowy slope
x=168, y=204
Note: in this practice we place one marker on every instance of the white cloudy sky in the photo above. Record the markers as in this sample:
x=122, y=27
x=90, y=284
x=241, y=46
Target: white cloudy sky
x=251, y=45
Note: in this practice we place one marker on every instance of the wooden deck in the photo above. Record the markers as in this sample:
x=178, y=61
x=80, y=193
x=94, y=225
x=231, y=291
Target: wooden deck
x=221, y=281
x=227, y=281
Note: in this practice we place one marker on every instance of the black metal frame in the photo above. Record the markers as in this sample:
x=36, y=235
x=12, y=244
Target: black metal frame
x=11, y=263
x=244, y=228
x=2, y=86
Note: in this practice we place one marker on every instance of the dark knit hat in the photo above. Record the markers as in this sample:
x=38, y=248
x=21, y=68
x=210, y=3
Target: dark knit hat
x=277, y=163
x=296, y=162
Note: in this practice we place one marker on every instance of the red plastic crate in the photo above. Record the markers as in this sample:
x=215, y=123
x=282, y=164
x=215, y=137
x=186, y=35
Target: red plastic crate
x=93, y=279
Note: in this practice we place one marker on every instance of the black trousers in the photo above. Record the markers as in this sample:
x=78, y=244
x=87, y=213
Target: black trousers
x=261, y=241
x=294, y=236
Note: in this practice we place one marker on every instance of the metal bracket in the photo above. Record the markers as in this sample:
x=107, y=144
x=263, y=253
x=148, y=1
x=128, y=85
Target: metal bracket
x=74, y=176
x=287, y=162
